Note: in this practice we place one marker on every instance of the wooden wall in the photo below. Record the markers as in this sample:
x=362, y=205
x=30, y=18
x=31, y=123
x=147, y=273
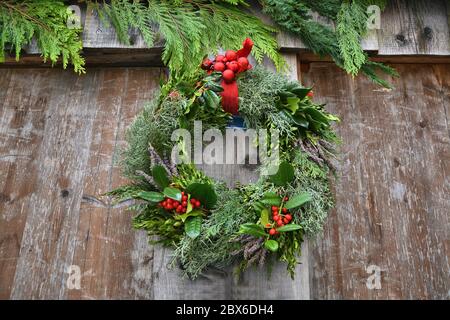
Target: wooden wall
x=59, y=140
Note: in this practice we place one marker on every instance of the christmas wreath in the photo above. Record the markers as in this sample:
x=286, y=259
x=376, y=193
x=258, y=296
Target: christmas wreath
x=207, y=223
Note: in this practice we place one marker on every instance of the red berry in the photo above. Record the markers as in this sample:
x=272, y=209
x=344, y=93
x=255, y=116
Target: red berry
x=233, y=66
x=230, y=55
x=225, y=60
x=228, y=75
x=275, y=213
x=310, y=94
x=272, y=231
x=219, y=66
x=169, y=201
x=288, y=217
x=286, y=221
x=183, y=210
x=179, y=209
x=184, y=198
x=206, y=64
x=276, y=218
x=197, y=203
x=175, y=204
x=284, y=210
x=268, y=225
x=219, y=58
x=169, y=207
x=286, y=198
x=279, y=223
x=193, y=201
x=274, y=208
x=243, y=63
x=184, y=203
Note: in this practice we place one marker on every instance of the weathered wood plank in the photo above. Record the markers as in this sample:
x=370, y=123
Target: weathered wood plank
x=393, y=194
x=414, y=27
x=125, y=268
x=97, y=34
x=23, y=102
x=48, y=238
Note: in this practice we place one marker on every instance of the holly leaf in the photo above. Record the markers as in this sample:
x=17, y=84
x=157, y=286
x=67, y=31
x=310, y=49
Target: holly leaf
x=193, y=226
x=203, y=192
x=212, y=100
x=160, y=176
x=264, y=219
x=184, y=216
x=172, y=193
x=189, y=204
x=284, y=175
x=271, y=199
x=317, y=115
x=289, y=227
x=151, y=196
x=298, y=200
x=271, y=245
x=292, y=104
x=258, y=206
x=252, y=229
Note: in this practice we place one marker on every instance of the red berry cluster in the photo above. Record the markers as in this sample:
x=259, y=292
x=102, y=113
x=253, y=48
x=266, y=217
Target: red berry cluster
x=279, y=218
x=179, y=207
x=229, y=65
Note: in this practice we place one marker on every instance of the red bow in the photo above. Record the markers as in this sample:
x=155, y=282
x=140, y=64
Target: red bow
x=230, y=93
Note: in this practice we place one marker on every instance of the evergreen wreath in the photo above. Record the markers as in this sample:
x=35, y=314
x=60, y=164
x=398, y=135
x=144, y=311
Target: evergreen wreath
x=207, y=223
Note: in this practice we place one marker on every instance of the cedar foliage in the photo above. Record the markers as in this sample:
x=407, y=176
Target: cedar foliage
x=191, y=29
x=342, y=44
x=45, y=20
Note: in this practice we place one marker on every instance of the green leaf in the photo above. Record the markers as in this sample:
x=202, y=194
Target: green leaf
x=151, y=196
x=192, y=213
x=298, y=200
x=301, y=92
x=160, y=176
x=264, y=217
x=203, y=192
x=300, y=120
x=292, y=104
x=172, y=193
x=258, y=206
x=271, y=199
x=193, y=226
x=284, y=175
x=289, y=227
x=214, y=86
x=212, y=100
x=252, y=229
x=189, y=204
x=317, y=115
x=271, y=245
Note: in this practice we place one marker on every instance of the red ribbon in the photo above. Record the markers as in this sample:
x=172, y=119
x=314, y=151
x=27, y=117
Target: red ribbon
x=230, y=93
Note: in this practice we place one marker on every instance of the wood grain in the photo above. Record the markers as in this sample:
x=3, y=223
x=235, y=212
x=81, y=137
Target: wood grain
x=393, y=195
x=414, y=27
